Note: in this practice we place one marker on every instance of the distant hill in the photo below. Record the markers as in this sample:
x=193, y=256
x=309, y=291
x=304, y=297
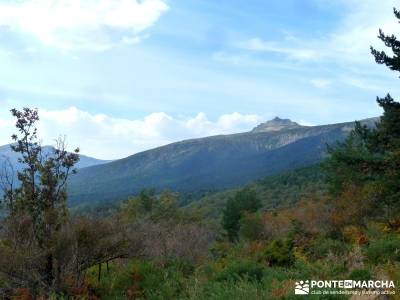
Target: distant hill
x=211, y=163
x=84, y=161
x=275, y=191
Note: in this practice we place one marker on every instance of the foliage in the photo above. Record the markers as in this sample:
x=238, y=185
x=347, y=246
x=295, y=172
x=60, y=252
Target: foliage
x=241, y=270
x=385, y=249
x=322, y=247
x=360, y=275
x=244, y=201
x=279, y=253
x=277, y=191
x=37, y=203
x=41, y=247
x=369, y=158
x=251, y=227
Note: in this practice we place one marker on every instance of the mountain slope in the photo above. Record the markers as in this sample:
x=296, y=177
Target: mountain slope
x=84, y=161
x=275, y=191
x=216, y=162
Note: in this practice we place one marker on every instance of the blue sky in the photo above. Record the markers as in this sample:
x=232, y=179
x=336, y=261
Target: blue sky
x=122, y=76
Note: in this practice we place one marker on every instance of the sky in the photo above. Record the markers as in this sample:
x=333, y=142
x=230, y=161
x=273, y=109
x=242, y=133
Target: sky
x=117, y=77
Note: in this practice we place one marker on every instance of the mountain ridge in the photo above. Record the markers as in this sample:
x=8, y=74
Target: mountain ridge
x=84, y=161
x=215, y=162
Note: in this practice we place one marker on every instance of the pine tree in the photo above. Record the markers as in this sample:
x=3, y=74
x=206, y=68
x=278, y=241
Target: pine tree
x=389, y=127
x=385, y=140
x=369, y=160
x=390, y=41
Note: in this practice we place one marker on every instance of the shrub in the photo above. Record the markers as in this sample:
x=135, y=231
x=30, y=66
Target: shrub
x=241, y=270
x=181, y=265
x=112, y=285
x=321, y=247
x=220, y=249
x=280, y=253
x=352, y=234
x=360, y=274
x=159, y=282
x=386, y=249
x=251, y=227
x=230, y=290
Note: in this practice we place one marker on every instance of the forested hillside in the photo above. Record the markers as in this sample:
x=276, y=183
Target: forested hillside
x=275, y=192
x=212, y=163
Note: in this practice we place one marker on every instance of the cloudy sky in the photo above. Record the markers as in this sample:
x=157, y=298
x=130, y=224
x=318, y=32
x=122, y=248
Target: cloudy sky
x=120, y=76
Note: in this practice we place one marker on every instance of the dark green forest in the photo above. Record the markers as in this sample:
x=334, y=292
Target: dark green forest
x=337, y=218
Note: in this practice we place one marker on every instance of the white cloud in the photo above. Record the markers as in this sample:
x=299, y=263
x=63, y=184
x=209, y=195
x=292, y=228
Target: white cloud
x=320, y=83
x=363, y=84
x=348, y=42
x=359, y=29
x=82, y=24
x=106, y=137
x=257, y=44
x=305, y=123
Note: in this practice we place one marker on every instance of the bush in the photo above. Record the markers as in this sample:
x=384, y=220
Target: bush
x=229, y=290
x=113, y=284
x=241, y=270
x=181, y=265
x=321, y=247
x=159, y=282
x=280, y=253
x=251, y=227
x=139, y=279
x=360, y=274
x=386, y=249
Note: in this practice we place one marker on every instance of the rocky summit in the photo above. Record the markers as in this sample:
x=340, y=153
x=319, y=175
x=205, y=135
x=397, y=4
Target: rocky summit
x=276, y=124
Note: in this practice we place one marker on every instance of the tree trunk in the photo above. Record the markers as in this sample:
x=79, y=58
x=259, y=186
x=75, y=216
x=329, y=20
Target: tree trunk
x=49, y=270
x=99, y=277
x=58, y=275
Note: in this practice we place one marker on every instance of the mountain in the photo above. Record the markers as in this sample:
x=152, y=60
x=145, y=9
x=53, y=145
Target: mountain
x=211, y=163
x=7, y=153
x=276, y=191
x=276, y=124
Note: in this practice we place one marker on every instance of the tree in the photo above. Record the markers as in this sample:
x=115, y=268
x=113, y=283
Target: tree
x=369, y=159
x=139, y=206
x=147, y=199
x=251, y=227
x=244, y=201
x=390, y=41
x=40, y=198
x=166, y=208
